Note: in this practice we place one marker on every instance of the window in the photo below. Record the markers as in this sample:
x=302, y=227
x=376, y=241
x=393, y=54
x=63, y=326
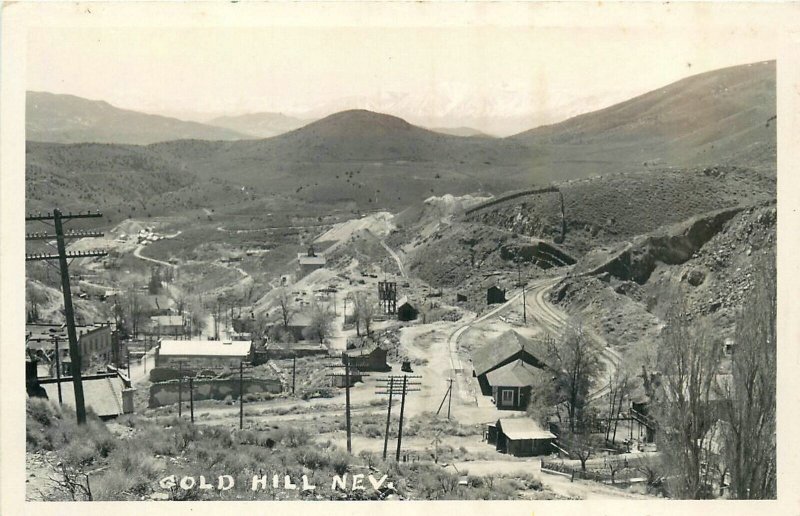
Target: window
x=506, y=396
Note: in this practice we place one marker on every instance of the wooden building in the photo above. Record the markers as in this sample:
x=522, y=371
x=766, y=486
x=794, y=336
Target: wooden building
x=495, y=295
x=202, y=353
x=108, y=395
x=511, y=384
x=520, y=437
x=505, y=349
x=365, y=361
x=167, y=325
x=405, y=310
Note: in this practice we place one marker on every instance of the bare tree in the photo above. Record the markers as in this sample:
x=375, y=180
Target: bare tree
x=286, y=307
x=750, y=410
x=321, y=322
x=688, y=359
x=136, y=312
x=620, y=383
x=367, y=310
x=574, y=358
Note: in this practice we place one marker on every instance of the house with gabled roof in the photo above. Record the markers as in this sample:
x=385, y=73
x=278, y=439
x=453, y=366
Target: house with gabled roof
x=503, y=350
x=512, y=384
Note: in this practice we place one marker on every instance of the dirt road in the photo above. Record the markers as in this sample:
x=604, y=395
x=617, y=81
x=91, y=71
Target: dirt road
x=395, y=257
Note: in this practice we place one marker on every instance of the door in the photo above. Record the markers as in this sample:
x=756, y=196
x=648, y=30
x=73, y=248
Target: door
x=507, y=397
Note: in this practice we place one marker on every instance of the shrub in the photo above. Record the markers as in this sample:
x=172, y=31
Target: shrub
x=340, y=461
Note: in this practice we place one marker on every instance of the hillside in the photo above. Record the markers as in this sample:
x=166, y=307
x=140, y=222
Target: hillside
x=69, y=119
x=722, y=116
x=260, y=125
x=361, y=160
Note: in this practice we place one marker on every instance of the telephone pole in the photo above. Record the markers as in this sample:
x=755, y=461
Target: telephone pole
x=349, y=371
x=58, y=220
x=406, y=386
x=448, y=395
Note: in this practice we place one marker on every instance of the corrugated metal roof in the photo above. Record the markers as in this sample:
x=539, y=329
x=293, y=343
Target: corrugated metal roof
x=237, y=348
x=504, y=347
x=515, y=374
x=517, y=428
x=102, y=395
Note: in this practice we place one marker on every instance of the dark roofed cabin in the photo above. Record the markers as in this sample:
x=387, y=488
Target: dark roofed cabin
x=406, y=311
x=495, y=295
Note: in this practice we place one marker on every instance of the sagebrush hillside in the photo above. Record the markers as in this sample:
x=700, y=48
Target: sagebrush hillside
x=370, y=160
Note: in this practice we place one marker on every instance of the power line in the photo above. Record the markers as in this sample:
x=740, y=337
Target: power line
x=349, y=372
x=60, y=236
x=406, y=387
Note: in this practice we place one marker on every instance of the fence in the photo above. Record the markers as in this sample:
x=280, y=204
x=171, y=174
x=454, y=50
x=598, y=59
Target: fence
x=623, y=475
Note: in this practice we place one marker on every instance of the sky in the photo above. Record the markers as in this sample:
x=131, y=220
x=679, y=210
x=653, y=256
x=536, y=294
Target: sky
x=500, y=80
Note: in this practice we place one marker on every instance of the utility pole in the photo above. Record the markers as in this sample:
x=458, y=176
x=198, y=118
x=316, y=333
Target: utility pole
x=241, y=395
x=294, y=371
x=58, y=224
x=347, y=400
x=448, y=393
x=58, y=373
x=400, y=427
x=180, y=388
x=388, y=418
x=191, y=399
x=406, y=386
x=524, y=301
x=348, y=370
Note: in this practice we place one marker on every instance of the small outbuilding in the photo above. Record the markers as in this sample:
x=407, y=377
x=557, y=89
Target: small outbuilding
x=495, y=295
x=365, y=361
x=520, y=437
x=405, y=310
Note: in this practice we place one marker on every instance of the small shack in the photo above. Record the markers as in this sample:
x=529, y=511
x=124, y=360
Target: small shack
x=520, y=437
x=495, y=295
x=167, y=325
x=405, y=310
x=372, y=360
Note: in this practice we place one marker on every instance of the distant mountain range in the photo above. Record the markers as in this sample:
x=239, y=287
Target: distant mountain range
x=367, y=159
x=70, y=119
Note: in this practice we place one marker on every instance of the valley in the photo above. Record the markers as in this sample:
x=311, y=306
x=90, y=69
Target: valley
x=567, y=241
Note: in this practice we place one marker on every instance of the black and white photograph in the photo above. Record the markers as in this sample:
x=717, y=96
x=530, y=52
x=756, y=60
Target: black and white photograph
x=429, y=252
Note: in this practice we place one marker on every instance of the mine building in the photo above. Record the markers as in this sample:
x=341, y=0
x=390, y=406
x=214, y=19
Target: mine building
x=310, y=261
